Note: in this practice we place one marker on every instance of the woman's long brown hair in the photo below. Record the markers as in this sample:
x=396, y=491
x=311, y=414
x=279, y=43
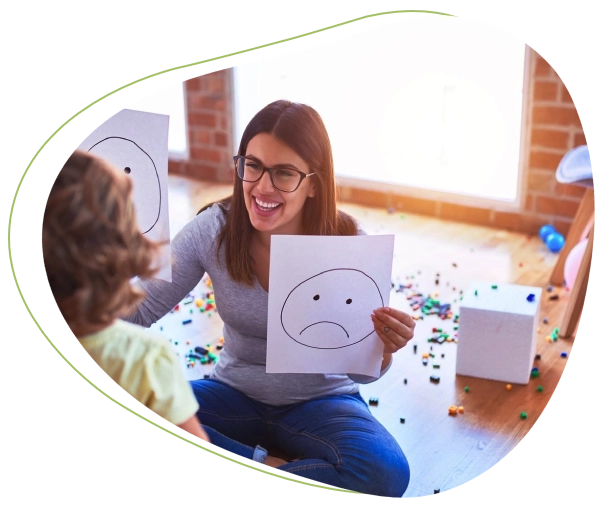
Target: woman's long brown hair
x=301, y=128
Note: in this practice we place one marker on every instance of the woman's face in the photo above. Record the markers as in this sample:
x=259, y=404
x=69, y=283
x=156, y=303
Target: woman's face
x=270, y=209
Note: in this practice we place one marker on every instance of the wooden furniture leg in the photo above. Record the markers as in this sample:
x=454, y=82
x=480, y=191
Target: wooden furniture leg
x=582, y=221
x=577, y=296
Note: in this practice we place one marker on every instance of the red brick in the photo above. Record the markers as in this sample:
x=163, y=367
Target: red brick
x=221, y=139
x=472, y=215
x=531, y=223
x=579, y=139
x=547, y=138
x=216, y=103
x=545, y=91
x=226, y=175
x=198, y=101
x=559, y=79
x=205, y=119
x=216, y=82
x=544, y=160
x=562, y=226
x=557, y=207
x=565, y=96
x=368, y=197
x=555, y=115
x=566, y=190
x=193, y=100
x=205, y=154
x=542, y=67
x=223, y=123
x=541, y=181
x=201, y=172
x=176, y=167
x=192, y=85
x=507, y=220
x=344, y=194
x=414, y=205
x=199, y=136
x=530, y=202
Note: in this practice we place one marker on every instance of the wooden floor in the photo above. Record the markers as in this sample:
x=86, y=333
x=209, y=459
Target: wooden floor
x=443, y=451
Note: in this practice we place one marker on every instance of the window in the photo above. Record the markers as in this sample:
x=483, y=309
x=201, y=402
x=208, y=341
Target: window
x=434, y=104
x=170, y=101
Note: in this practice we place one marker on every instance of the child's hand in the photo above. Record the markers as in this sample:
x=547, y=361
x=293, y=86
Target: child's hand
x=202, y=434
x=193, y=426
x=274, y=462
x=394, y=328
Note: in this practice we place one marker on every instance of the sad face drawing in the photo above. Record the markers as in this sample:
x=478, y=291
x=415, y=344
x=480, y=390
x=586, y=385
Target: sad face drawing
x=332, y=309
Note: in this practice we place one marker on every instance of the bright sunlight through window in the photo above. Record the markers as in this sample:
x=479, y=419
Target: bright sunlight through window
x=434, y=104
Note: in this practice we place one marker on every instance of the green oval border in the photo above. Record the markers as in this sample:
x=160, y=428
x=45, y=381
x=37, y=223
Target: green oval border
x=64, y=124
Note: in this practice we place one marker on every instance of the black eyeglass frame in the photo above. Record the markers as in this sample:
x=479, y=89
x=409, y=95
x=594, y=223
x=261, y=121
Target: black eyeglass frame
x=270, y=171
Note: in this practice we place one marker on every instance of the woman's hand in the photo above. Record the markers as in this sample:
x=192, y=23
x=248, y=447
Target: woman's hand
x=394, y=328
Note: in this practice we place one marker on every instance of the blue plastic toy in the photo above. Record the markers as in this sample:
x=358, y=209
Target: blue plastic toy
x=545, y=230
x=555, y=241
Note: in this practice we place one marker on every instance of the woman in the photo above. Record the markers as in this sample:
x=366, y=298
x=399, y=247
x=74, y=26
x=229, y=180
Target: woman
x=319, y=421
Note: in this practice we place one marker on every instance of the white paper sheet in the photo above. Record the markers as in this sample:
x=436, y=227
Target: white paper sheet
x=137, y=142
x=322, y=291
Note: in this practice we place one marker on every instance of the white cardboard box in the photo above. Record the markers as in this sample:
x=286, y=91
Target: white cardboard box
x=497, y=332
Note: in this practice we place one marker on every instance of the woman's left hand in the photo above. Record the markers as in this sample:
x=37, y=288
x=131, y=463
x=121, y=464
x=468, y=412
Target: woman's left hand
x=394, y=328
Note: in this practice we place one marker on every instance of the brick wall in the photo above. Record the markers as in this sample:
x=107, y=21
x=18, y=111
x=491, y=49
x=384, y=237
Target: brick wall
x=552, y=127
x=209, y=107
x=555, y=129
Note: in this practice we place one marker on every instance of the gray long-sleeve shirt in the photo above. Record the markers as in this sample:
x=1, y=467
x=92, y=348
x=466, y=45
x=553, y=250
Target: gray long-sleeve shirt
x=243, y=310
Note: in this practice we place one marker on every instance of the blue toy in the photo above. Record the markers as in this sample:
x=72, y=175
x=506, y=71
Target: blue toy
x=555, y=242
x=545, y=230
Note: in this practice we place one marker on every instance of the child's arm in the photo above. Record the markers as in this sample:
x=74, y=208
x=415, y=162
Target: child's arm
x=192, y=425
x=189, y=249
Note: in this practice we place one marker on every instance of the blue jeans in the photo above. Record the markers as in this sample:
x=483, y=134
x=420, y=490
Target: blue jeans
x=335, y=439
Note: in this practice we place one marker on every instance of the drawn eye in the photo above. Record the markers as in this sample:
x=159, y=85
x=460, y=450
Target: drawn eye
x=316, y=298
x=348, y=301
x=127, y=170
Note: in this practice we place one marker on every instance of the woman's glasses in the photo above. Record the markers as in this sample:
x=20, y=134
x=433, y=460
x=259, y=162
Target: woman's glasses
x=286, y=179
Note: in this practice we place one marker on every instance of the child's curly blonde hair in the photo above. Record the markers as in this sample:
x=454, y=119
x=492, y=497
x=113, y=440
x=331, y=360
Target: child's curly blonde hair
x=92, y=245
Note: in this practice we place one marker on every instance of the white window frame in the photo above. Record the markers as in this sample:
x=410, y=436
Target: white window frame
x=427, y=193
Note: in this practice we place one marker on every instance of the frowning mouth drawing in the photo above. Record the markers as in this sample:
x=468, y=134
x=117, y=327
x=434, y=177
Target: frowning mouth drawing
x=331, y=310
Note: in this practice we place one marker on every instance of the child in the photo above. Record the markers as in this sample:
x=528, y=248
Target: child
x=92, y=249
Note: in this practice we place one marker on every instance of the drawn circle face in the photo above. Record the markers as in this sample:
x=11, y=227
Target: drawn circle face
x=127, y=156
x=332, y=309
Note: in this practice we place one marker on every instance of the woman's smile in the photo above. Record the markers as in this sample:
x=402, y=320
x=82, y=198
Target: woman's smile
x=271, y=210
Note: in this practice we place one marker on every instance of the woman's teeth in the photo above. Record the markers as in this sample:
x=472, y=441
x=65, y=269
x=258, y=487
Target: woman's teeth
x=266, y=206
